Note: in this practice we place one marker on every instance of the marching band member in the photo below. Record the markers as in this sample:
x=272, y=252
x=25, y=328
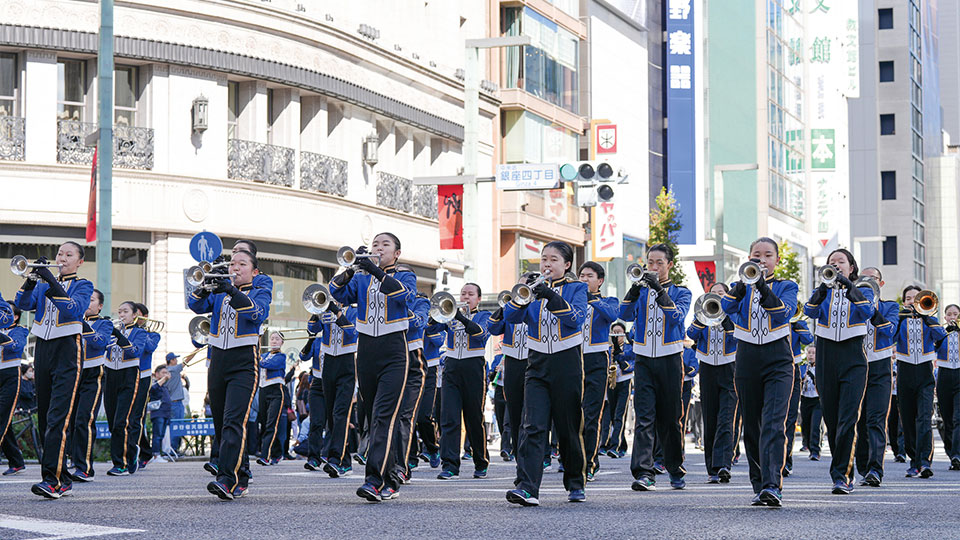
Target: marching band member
x=691, y=368
x=312, y=350
x=500, y=406
x=716, y=349
x=553, y=388
x=894, y=430
x=658, y=308
x=272, y=367
x=948, y=386
x=120, y=387
x=59, y=303
x=464, y=386
x=238, y=309
x=13, y=338
x=382, y=293
x=811, y=415
x=841, y=312
x=761, y=314
x=413, y=391
x=799, y=336
x=97, y=336
x=137, y=423
x=615, y=415
x=872, y=428
x=601, y=313
x=916, y=338
x=434, y=337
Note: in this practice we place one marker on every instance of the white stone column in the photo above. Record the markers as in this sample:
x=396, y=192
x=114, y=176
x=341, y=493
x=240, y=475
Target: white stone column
x=40, y=106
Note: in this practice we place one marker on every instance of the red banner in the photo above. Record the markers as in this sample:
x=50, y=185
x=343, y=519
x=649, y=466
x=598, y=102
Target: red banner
x=92, y=202
x=707, y=272
x=450, y=209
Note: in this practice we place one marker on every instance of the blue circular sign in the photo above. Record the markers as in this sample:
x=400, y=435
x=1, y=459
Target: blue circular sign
x=205, y=246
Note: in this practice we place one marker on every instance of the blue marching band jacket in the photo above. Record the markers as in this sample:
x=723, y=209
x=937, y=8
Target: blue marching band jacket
x=382, y=307
x=659, y=330
x=57, y=316
x=880, y=339
x=690, y=364
x=553, y=331
x=838, y=318
x=916, y=341
x=272, y=367
x=146, y=355
x=316, y=356
x=948, y=353
x=335, y=339
x=514, y=343
x=626, y=360
x=6, y=314
x=235, y=321
x=714, y=345
x=97, y=341
x=419, y=311
x=760, y=325
x=13, y=346
x=799, y=336
x=127, y=356
x=460, y=344
x=601, y=313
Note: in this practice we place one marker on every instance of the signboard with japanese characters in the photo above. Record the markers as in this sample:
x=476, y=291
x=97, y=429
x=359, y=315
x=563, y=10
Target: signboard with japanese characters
x=681, y=110
x=823, y=149
x=607, y=236
x=528, y=176
x=605, y=139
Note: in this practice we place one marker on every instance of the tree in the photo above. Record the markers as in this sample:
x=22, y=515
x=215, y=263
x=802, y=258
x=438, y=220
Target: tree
x=665, y=229
x=789, y=267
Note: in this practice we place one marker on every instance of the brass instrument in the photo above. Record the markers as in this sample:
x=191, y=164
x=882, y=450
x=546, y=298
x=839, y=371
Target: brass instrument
x=316, y=298
x=504, y=298
x=635, y=273
x=828, y=275
x=199, y=329
x=612, y=376
x=708, y=310
x=196, y=277
x=926, y=302
x=209, y=267
x=443, y=307
x=346, y=256
x=287, y=331
x=799, y=313
x=187, y=359
x=618, y=335
x=871, y=282
x=23, y=268
x=150, y=325
x=522, y=294
x=750, y=273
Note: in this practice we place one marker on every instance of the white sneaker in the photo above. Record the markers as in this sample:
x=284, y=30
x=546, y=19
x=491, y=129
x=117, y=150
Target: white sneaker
x=158, y=459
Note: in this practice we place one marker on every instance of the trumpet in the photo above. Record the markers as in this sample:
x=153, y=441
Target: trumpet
x=869, y=281
x=199, y=329
x=504, y=298
x=187, y=359
x=750, y=273
x=443, y=307
x=150, y=325
x=708, y=310
x=316, y=298
x=522, y=294
x=209, y=267
x=196, y=277
x=828, y=275
x=636, y=273
x=926, y=302
x=612, y=376
x=346, y=256
x=618, y=334
x=23, y=268
x=799, y=313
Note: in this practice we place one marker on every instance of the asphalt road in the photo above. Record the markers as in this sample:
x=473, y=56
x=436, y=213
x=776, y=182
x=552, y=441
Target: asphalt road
x=168, y=500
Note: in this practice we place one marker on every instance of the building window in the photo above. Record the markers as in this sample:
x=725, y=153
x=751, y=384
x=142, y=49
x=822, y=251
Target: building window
x=529, y=138
x=71, y=89
x=888, y=124
x=233, y=108
x=890, y=251
x=886, y=71
x=271, y=118
x=126, y=90
x=885, y=18
x=9, y=84
x=548, y=67
x=888, y=185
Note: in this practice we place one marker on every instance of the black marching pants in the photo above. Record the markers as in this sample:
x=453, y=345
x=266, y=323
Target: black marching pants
x=553, y=391
x=318, y=419
x=9, y=393
x=948, y=401
x=718, y=400
x=426, y=426
x=894, y=431
x=271, y=407
x=915, y=395
x=232, y=382
x=764, y=380
x=464, y=392
x=382, y=368
x=514, y=374
x=615, y=418
x=503, y=422
x=135, y=426
x=872, y=426
x=412, y=394
x=84, y=432
x=57, y=365
x=594, y=389
x=792, y=414
x=811, y=415
x=658, y=405
x=119, y=389
x=339, y=384
x=841, y=382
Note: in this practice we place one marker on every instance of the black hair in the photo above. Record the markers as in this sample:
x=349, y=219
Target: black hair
x=24, y=367
x=479, y=292
x=767, y=240
x=76, y=245
x=726, y=288
x=16, y=314
x=99, y=294
x=854, y=269
x=253, y=257
x=279, y=333
x=875, y=269
x=601, y=273
x=566, y=252
x=950, y=306
x=662, y=248
x=251, y=247
x=133, y=305
x=142, y=308
x=623, y=326
x=396, y=241
x=907, y=289
x=158, y=368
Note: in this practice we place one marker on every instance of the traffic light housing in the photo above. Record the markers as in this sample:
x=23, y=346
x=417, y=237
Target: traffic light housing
x=593, y=181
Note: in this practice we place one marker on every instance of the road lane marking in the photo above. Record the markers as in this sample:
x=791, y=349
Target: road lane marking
x=57, y=530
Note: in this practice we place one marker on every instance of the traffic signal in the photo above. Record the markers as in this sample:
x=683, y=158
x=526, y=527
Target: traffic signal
x=594, y=181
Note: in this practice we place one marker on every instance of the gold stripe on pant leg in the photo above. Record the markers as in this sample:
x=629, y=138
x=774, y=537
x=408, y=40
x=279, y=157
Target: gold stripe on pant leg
x=246, y=417
x=66, y=420
x=396, y=410
x=91, y=434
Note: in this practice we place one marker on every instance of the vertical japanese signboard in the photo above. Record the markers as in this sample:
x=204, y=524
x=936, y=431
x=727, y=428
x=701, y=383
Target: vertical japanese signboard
x=681, y=127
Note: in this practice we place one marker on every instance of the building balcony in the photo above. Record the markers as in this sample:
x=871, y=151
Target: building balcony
x=542, y=214
x=132, y=146
x=12, y=138
x=323, y=173
x=259, y=162
x=399, y=193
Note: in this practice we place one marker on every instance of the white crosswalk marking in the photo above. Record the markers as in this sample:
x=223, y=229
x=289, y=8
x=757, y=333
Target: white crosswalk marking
x=56, y=530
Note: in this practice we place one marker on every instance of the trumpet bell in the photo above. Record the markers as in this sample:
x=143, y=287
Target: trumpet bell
x=199, y=329
x=316, y=299
x=19, y=265
x=634, y=273
x=708, y=310
x=926, y=302
x=521, y=294
x=749, y=273
x=443, y=307
x=504, y=298
x=828, y=275
x=195, y=276
x=346, y=256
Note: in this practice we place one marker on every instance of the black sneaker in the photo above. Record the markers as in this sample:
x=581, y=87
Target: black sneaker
x=331, y=470
x=80, y=476
x=521, y=497
x=814, y=457
x=220, y=490
x=369, y=492
x=118, y=471
x=724, y=474
x=786, y=472
x=239, y=492
x=265, y=463
x=771, y=497
x=842, y=488
x=14, y=470
x=912, y=473
x=677, y=483
x=210, y=467
x=480, y=474
x=44, y=489
x=954, y=464
x=926, y=472
x=900, y=458
x=447, y=475
x=756, y=501
x=713, y=479
x=388, y=493
x=644, y=484
x=872, y=479
x=313, y=465
x=591, y=477
x=577, y=495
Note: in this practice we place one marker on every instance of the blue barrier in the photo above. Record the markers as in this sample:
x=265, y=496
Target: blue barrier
x=187, y=427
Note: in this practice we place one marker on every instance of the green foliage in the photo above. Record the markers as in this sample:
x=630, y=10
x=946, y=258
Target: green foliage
x=789, y=267
x=665, y=229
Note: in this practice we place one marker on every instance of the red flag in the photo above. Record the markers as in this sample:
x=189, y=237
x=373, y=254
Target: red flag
x=707, y=272
x=92, y=202
x=450, y=211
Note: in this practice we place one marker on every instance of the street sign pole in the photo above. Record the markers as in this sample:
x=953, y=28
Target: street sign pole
x=105, y=152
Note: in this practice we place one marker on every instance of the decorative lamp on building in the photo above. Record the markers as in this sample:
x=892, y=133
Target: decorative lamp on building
x=371, y=143
x=199, y=112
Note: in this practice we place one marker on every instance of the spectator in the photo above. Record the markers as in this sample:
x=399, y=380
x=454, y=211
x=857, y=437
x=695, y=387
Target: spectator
x=28, y=393
x=160, y=406
x=177, y=394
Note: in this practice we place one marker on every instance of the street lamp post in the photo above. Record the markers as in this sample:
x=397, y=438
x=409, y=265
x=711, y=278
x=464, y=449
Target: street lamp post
x=717, y=193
